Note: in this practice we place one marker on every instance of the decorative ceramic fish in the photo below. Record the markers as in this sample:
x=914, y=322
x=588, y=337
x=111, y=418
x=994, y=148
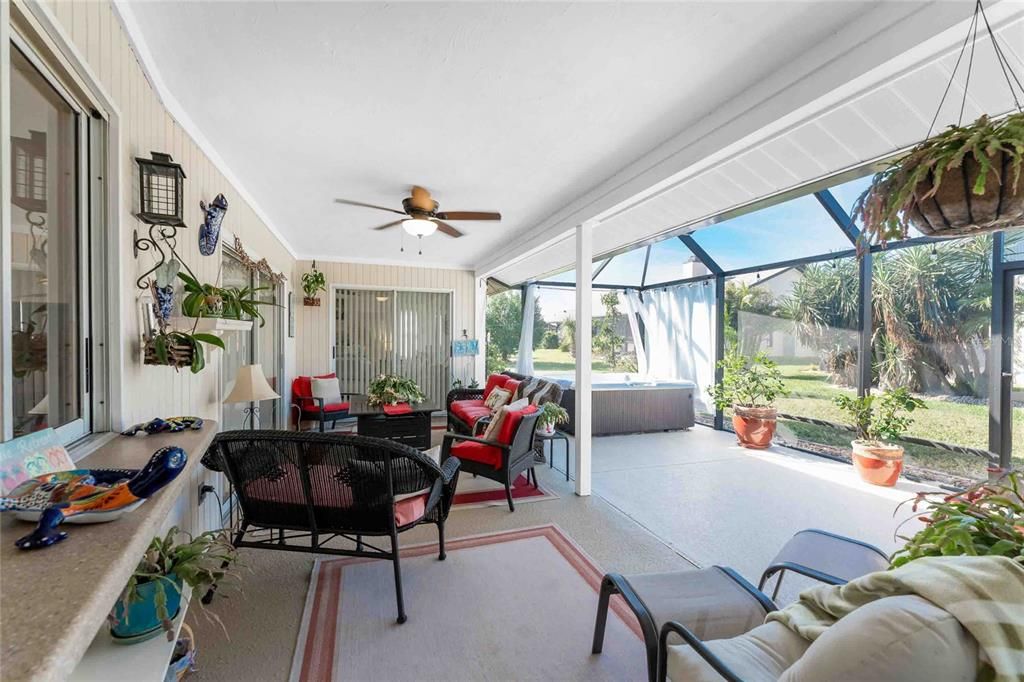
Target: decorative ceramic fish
x=209, y=231
x=88, y=495
x=169, y=425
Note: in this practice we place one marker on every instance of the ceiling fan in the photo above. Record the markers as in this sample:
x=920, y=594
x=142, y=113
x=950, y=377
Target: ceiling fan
x=421, y=217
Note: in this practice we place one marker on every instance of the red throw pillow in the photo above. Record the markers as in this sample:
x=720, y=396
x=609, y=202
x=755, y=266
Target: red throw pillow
x=511, y=423
x=493, y=382
x=511, y=386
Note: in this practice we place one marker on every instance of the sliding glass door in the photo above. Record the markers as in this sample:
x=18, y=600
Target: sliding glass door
x=389, y=331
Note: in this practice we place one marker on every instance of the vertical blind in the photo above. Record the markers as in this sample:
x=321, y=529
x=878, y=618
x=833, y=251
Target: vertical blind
x=383, y=331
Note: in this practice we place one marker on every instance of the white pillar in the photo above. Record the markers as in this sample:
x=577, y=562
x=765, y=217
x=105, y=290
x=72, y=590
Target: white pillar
x=480, y=328
x=584, y=256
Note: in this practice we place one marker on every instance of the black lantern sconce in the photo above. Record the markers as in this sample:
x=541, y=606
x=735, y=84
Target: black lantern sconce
x=161, y=204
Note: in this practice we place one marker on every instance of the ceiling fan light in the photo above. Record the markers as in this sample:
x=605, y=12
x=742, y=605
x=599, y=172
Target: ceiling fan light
x=419, y=227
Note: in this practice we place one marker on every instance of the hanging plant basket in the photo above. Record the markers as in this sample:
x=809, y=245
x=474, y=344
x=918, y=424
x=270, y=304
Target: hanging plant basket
x=179, y=354
x=968, y=202
x=962, y=182
x=310, y=300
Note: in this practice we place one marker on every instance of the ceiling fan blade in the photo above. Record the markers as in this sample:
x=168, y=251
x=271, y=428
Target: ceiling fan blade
x=447, y=229
x=387, y=225
x=469, y=215
x=361, y=204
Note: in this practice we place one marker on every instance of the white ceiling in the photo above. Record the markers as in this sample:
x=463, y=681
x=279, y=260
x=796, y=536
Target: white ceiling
x=520, y=108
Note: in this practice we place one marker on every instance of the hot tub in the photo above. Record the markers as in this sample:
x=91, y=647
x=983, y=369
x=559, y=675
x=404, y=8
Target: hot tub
x=622, y=404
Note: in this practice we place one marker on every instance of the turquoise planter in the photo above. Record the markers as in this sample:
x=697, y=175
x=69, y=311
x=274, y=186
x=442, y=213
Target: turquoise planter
x=141, y=622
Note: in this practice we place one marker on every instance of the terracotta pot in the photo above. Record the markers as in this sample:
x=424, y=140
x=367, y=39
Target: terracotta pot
x=877, y=463
x=956, y=211
x=310, y=300
x=754, y=426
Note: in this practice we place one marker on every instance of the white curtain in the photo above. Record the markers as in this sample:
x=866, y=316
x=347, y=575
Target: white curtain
x=634, y=306
x=680, y=325
x=524, y=359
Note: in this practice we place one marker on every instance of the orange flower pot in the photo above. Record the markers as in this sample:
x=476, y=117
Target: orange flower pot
x=878, y=463
x=754, y=426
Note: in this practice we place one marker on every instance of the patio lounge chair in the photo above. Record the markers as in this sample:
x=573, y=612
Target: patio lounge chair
x=299, y=491
x=717, y=603
x=502, y=460
x=313, y=409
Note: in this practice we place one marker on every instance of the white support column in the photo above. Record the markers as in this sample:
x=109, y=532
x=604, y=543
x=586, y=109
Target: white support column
x=480, y=327
x=584, y=256
x=6, y=315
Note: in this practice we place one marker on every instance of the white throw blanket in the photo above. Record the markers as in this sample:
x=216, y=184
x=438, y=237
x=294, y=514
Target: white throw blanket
x=985, y=594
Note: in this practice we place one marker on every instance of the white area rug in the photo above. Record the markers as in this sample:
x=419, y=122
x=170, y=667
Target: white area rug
x=516, y=605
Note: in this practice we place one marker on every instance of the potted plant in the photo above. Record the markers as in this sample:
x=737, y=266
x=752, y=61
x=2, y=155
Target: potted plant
x=313, y=282
x=152, y=597
x=391, y=389
x=878, y=420
x=179, y=349
x=550, y=415
x=233, y=303
x=963, y=181
x=987, y=519
x=750, y=386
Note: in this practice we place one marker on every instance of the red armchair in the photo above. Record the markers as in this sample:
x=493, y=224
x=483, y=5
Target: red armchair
x=314, y=409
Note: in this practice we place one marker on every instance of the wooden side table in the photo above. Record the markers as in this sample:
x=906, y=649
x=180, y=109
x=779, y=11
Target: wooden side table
x=557, y=435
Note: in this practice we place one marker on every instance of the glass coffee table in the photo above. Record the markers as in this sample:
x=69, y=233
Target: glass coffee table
x=410, y=428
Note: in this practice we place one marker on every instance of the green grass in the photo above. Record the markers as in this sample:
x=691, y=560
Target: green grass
x=554, y=360
x=811, y=396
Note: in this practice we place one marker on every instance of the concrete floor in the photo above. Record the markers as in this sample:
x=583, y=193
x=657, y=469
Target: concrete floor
x=715, y=502
x=662, y=502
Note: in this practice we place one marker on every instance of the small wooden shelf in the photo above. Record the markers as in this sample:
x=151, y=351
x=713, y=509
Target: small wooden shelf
x=107, y=660
x=210, y=324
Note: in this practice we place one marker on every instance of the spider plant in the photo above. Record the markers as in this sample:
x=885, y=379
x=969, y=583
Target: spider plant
x=210, y=300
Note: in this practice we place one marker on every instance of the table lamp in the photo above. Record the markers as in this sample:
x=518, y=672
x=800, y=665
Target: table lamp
x=251, y=387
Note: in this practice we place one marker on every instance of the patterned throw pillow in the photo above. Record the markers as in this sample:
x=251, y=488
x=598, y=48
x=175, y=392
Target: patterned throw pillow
x=497, y=399
x=518, y=404
x=494, y=428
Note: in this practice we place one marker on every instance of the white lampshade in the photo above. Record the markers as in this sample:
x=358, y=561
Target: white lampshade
x=250, y=386
x=419, y=227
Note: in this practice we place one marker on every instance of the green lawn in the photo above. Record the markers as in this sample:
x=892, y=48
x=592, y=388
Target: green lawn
x=554, y=360
x=811, y=396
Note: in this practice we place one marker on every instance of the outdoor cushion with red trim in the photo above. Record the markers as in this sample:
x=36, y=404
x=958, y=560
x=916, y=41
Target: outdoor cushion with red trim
x=488, y=454
x=494, y=381
x=469, y=411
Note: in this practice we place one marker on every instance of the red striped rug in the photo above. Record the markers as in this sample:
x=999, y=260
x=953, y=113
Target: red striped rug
x=481, y=492
x=511, y=605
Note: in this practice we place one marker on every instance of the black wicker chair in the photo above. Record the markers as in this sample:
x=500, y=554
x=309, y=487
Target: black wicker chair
x=299, y=491
x=515, y=458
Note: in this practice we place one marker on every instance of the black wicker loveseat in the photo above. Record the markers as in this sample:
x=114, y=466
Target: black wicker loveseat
x=467, y=414
x=300, y=491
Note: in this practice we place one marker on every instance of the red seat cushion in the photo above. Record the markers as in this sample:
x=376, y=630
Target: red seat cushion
x=329, y=407
x=494, y=381
x=507, y=430
x=477, y=452
x=470, y=411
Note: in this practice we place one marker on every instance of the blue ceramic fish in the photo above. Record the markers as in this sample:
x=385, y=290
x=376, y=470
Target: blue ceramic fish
x=209, y=231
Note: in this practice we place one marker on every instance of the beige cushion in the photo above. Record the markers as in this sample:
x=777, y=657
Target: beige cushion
x=328, y=389
x=904, y=638
x=517, y=405
x=497, y=398
x=494, y=427
x=760, y=655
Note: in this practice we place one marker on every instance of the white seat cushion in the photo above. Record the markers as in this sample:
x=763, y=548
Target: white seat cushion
x=760, y=655
x=904, y=638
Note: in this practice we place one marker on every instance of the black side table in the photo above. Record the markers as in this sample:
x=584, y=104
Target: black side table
x=557, y=435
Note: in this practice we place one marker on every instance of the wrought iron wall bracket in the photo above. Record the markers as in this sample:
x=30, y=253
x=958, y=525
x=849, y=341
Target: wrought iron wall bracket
x=157, y=233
